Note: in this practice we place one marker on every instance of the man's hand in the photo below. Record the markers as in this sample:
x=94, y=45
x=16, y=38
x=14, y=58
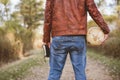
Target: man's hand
x=48, y=44
x=106, y=37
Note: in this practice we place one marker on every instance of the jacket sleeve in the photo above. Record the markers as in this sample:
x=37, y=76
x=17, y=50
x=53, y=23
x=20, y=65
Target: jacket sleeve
x=47, y=21
x=97, y=17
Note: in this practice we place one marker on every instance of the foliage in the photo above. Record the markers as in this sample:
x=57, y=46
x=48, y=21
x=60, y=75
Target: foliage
x=31, y=12
x=91, y=23
x=5, y=2
x=112, y=45
x=118, y=8
x=7, y=52
x=9, y=47
x=100, y=2
x=110, y=48
x=24, y=35
x=27, y=37
x=21, y=25
x=108, y=18
x=4, y=10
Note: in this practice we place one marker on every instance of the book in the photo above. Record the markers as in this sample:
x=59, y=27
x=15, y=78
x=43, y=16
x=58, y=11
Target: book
x=46, y=50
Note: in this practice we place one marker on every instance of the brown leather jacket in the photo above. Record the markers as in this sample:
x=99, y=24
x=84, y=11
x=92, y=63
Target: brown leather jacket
x=69, y=17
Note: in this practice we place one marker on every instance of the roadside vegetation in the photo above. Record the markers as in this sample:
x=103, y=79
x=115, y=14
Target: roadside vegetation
x=17, y=70
x=112, y=64
x=18, y=28
x=109, y=52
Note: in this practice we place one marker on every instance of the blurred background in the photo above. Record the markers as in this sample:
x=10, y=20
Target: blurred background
x=21, y=30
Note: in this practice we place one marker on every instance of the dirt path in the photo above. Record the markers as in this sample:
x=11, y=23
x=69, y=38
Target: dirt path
x=94, y=70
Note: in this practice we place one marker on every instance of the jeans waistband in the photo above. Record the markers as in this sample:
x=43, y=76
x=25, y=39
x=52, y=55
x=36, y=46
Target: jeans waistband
x=69, y=37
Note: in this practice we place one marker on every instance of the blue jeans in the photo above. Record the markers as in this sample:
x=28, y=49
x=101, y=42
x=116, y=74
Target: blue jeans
x=60, y=47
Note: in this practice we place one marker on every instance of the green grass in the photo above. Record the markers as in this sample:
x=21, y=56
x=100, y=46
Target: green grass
x=112, y=64
x=19, y=69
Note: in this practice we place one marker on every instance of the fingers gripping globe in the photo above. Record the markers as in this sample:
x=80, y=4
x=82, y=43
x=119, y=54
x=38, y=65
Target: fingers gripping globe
x=95, y=36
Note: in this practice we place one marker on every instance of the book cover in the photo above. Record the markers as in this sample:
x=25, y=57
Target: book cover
x=46, y=50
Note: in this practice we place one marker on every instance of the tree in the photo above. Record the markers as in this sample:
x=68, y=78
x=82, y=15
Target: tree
x=100, y=2
x=5, y=15
x=118, y=8
x=32, y=12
